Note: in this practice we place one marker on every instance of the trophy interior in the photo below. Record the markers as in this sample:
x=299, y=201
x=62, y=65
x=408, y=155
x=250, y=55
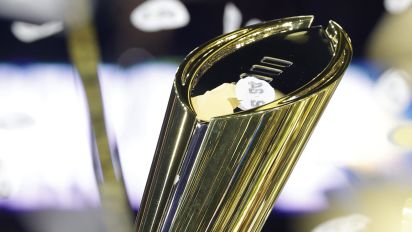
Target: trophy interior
x=287, y=61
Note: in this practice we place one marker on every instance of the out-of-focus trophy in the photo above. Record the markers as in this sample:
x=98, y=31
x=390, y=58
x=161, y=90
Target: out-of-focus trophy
x=241, y=110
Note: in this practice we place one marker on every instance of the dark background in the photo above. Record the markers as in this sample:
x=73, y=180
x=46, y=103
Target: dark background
x=117, y=34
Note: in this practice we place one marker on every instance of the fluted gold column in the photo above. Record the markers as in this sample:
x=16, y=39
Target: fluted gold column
x=225, y=174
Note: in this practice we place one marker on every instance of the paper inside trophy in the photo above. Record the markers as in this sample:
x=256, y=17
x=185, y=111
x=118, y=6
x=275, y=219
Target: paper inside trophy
x=241, y=110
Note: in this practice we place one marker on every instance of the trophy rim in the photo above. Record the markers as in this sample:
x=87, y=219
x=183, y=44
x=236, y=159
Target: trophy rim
x=200, y=59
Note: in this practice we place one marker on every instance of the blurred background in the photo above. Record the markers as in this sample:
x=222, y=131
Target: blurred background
x=354, y=175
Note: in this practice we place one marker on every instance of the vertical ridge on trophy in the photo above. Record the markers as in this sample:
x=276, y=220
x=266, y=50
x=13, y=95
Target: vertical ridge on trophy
x=241, y=110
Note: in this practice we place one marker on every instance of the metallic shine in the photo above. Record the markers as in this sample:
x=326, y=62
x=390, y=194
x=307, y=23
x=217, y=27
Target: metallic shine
x=244, y=159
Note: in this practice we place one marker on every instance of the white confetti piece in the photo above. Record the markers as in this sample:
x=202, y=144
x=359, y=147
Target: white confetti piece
x=253, y=92
x=157, y=15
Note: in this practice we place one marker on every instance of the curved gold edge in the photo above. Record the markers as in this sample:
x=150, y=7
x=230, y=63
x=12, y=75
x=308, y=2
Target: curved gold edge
x=203, y=57
x=200, y=60
x=342, y=55
x=168, y=160
x=291, y=119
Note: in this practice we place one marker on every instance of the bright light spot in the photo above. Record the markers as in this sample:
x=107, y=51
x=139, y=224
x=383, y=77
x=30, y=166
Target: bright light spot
x=354, y=128
x=407, y=216
x=351, y=223
x=352, y=132
x=27, y=32
x=397, y=6
x=157, y=15
x=402, y=136
x=136, y=99
x=45, y=155
x=176, y=180
x=253, y=22
x=39, y=10
x=45, y=158
x=304, y=190
x=393, y=91
x=232, y=18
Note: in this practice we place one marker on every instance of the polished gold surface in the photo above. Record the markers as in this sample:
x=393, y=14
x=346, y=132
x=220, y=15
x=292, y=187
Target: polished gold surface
x=225, y=175
x=178, y=128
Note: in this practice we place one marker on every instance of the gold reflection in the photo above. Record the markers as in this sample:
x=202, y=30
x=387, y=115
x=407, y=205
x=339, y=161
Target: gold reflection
x=232, y=169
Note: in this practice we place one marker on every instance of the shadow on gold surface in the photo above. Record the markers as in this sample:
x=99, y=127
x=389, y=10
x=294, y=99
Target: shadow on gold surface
x=225, y=175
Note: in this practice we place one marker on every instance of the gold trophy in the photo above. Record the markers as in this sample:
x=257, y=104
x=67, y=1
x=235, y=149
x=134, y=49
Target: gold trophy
x=241, y=110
